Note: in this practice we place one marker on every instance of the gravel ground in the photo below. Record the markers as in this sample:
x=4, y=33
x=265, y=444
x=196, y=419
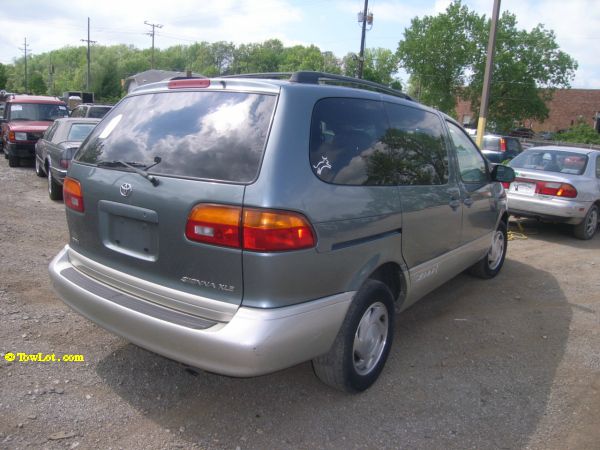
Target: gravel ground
x=509, y=363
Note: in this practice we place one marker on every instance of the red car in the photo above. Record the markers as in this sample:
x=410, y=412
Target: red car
x=24, y=121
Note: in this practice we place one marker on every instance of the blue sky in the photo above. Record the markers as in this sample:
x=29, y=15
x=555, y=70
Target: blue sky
x=331, y=25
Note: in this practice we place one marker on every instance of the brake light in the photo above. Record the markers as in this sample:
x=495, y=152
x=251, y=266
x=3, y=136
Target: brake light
x=249, y=228
x=189, y=83
x=556, y=189
x=72, y=194
x=502, y=144
x=215, y=224
x=268, y=231
x=505, y=185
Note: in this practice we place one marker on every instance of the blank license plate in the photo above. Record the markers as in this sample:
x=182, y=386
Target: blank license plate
x=523, y=188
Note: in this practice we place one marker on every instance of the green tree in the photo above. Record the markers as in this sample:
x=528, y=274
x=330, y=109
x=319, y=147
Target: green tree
x=3, y=76
x=445, y=56
x=581, y=133
x=379, y=66
x=37, y=85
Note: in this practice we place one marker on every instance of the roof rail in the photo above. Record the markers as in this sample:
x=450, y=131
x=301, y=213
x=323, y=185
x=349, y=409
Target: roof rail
x=310, y=77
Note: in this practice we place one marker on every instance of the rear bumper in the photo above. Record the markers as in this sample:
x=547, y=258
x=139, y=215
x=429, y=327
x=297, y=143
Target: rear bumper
x=254, y=342
x=20, y=150
x=554, y=209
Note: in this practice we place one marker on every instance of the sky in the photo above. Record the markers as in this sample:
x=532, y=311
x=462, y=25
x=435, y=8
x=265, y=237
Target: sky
x=329, y=24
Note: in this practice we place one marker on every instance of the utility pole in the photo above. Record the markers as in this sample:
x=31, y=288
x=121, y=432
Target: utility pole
x=24, y=49
x=363, y=17
x=487, y=77
x=151, y=33
x=87, y=80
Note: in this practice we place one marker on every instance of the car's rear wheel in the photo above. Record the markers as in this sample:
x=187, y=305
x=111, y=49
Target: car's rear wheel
x=489, y=266
x=54, y=188
x=13, y=161
x=586, y=229
x=363, y=343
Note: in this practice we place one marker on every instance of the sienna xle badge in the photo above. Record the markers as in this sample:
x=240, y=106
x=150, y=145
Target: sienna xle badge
x=246, y=224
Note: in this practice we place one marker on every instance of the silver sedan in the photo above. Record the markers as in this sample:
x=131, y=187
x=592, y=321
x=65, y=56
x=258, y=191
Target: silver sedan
x=558, y=184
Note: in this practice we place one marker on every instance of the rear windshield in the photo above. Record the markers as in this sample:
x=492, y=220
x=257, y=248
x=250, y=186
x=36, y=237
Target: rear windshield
x=98, y=112
x=551, y=161
x=491, y=143
x=210, y=135
x=79, y=131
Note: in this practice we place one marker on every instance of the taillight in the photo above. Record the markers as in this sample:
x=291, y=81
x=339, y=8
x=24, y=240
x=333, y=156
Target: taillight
x=215, y=224
x=505, y=185
x=502, y=144
x=64, y=163
x=556, y=189
x=252, y=229
x=11, y=136
x=72, y=194
x=266, y=231
x=189, y=83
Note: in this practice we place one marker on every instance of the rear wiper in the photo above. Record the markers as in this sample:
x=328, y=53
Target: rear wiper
x=132, y=165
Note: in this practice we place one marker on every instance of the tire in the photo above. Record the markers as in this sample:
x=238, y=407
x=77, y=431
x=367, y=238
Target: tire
x=587, y=228
x=363, y=343
x=38, y=168
x=54, y=188
x=13, y=161
x=489, y=266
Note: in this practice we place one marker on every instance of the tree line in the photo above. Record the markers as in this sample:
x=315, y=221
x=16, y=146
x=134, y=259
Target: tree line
x=444, y=56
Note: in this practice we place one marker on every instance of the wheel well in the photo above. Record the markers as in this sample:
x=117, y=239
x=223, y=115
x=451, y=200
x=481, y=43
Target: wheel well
x=390, y=274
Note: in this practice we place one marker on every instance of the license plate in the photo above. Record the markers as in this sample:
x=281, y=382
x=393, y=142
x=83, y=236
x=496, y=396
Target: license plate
x=523, y=188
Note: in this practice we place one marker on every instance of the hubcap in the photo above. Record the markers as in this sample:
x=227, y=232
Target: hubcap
x=592, y=222
x=497, y=250
x=370, y=338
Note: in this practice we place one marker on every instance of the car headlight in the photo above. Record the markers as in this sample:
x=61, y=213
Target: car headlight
x=20, y=136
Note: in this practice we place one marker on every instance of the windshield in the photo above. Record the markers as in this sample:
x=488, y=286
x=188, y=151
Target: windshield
x=210, y=135
x=551, y=161
x=37, y=111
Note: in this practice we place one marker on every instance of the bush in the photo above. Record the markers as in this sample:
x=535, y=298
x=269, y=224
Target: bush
x=581, y=133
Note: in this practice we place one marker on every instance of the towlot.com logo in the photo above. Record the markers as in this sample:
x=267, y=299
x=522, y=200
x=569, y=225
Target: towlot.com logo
x=42, y=357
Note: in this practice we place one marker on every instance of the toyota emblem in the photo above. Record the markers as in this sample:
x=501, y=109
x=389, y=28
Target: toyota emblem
x=126, y=189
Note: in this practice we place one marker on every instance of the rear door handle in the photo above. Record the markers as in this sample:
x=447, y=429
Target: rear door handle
x=468, y=201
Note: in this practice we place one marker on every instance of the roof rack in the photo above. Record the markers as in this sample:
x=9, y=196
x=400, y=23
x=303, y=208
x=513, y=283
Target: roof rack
x=309, y=77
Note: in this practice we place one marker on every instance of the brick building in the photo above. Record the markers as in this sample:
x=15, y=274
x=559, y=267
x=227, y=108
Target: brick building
x=565, y=108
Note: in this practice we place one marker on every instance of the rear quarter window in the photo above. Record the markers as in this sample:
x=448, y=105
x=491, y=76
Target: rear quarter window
x=209, y=135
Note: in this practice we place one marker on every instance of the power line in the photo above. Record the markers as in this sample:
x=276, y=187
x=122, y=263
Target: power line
x=151, y=33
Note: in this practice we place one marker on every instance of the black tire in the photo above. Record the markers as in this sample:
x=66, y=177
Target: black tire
x=54, y=188
x=13, y=161
x=370, y=315
x=489, y=266
x=587, y=228
x=38, y=168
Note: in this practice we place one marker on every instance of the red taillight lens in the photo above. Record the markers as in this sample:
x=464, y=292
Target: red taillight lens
x=73, y=195
x=11, y=136
x=250, y=229
x=64, y=163
x=505, y=185
x=556, y=189
x=271, y=231
x=502, y=144
x=215, y=224
x=189, y=83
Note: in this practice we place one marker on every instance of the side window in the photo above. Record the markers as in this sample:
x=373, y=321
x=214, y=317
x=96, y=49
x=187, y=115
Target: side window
x=597, y=167
x=470, y=162
x=417, y=153
x=49, y=133
x=346, y=142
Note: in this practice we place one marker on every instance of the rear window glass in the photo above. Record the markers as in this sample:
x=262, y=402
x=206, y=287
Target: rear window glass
x=37, y=111
x=210, y=135
x=491, y=143
x=79, y=131
x=97, y=112
x=551, y=161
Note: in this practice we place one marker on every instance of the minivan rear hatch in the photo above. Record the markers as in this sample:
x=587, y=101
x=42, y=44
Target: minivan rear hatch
x=143, y=170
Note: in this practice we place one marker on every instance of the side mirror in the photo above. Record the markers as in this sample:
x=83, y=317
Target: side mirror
x=502, y=173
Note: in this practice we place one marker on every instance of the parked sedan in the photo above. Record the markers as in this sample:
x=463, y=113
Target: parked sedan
x=558, y=184
x=54, y=150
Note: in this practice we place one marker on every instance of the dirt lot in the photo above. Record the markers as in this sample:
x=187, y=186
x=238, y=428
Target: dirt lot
x=509, y=363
